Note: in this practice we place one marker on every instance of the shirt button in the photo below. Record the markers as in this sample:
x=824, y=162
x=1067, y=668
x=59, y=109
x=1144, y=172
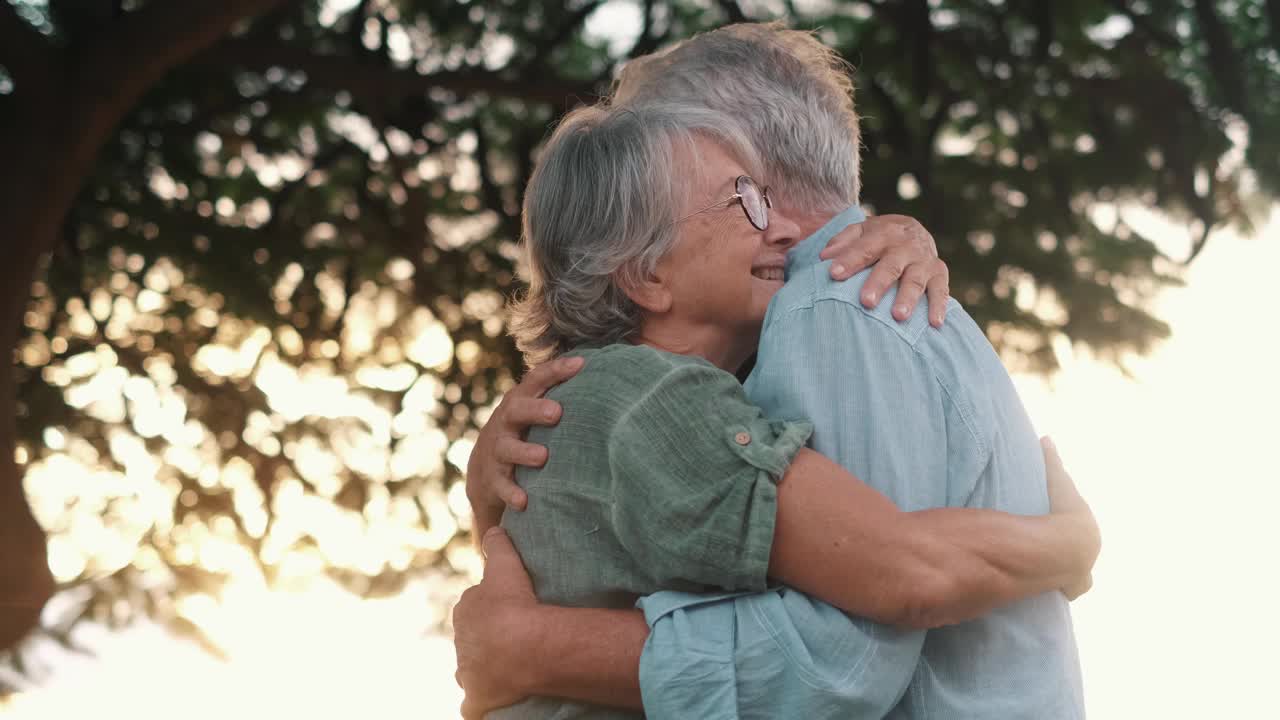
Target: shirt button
x=742, y=438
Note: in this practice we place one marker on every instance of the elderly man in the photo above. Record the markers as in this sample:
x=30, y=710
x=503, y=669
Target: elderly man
x=927, y=415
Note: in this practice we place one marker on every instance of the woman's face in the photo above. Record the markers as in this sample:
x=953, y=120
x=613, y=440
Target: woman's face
x=723, y=272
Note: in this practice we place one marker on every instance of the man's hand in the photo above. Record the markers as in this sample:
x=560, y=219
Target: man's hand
x=491, y=630
x=1065, y=498
x=902, y=250
x=491, y=485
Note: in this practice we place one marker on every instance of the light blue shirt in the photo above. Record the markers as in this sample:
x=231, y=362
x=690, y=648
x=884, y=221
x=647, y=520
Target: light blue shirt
x=929, y=417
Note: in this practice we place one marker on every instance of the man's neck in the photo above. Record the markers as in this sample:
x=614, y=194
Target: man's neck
x=806, y=252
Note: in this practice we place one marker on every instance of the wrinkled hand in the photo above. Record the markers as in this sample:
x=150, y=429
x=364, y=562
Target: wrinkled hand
x=1065, y=498
x=491, y=485
x=490, y=628
x=902, y=250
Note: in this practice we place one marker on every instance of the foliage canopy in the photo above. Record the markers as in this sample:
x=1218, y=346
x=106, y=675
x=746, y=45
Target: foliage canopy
x=272, y=319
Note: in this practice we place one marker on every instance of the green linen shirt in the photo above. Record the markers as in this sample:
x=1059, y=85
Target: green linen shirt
x=661, y=476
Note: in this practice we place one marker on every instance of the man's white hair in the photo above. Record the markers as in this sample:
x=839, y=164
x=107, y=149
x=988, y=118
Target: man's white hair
x=791, y=93
x=600, y=211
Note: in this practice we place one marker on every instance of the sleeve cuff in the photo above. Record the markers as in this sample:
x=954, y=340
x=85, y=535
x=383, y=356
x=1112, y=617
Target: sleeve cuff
x=769, y=445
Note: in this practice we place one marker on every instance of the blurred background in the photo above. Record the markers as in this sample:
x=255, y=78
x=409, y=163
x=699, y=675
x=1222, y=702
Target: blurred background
x=257, y=253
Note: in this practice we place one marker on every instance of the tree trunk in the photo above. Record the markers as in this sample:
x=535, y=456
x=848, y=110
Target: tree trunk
x=65, y=107
x=30, y=218
x=49, y=149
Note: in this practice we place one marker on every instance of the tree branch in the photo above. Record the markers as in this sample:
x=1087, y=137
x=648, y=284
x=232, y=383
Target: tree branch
x=23, y=50
x=1145, y=26
x=1224, y=60
x=147, y=43
x=918, y=26
x=895, y=123
x=492, y=192
x=733, y=10
x=559, y=35
x=1042, y=14
x=646, y=42
x=372, y=82
x=1273, y=21
x=355, y=28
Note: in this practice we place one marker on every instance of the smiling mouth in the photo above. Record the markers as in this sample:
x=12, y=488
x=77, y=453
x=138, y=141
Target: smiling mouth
x=768, y=273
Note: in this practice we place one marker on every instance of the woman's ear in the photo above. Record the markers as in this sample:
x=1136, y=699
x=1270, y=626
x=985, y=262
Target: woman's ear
x=649, y=292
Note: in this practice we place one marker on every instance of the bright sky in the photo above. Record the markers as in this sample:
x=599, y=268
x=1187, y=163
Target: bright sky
x=1177, y=463
x=1179, y=467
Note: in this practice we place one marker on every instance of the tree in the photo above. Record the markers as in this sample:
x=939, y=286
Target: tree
x=259, y=249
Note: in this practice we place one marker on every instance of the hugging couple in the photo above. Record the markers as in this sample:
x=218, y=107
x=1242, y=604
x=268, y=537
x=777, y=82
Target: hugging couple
x=866, y=527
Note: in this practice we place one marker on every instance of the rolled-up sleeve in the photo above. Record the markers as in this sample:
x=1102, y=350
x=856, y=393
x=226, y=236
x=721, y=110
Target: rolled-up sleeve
x=695, y=467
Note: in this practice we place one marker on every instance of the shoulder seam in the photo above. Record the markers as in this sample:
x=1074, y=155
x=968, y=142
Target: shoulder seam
x=909, y=339
x=966, y=414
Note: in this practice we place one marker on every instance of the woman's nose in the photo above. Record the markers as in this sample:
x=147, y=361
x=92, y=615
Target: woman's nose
x=783, y=232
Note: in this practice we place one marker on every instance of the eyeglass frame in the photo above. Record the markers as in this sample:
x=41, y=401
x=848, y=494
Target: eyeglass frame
x=737, y=184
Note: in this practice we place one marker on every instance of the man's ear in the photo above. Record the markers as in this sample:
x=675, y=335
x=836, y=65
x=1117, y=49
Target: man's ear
x=650, y=292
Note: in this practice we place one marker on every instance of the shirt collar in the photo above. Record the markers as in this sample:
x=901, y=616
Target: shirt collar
x=806, y=253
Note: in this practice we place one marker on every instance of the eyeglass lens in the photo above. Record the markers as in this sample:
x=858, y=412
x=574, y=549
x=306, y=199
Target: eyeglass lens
x=753, y=202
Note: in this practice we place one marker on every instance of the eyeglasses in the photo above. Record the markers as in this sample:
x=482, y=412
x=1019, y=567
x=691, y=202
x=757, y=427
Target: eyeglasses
x=755, y=202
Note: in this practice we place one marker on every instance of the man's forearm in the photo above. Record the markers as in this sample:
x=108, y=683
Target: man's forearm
x=588, y=654
x=839, y=540
x=988, y=558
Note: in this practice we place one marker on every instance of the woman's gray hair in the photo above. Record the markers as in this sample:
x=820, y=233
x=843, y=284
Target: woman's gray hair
x=793, y=95
x=600, y=211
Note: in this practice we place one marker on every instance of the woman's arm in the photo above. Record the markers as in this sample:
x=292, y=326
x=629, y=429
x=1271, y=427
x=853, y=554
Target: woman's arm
x=840, y=540
x=901, y=250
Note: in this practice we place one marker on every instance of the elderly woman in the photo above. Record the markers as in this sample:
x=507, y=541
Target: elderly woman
x=654, y=255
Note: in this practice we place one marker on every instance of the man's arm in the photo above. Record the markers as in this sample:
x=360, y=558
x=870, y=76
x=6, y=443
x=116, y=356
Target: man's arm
x=838, y=539
x=491, y=485
x=510, y=647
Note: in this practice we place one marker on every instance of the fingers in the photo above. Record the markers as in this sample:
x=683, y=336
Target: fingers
x=502, y=564
x=854, y=249
x=883, y=276
x=1052, y=460
x=1063, y=494
x=511, y=450
x=520, y=412
x=542, y=378
x=1078, y=588
x=939, y=291
x=1055, y=475
x=485, y=518
x=910, y=288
